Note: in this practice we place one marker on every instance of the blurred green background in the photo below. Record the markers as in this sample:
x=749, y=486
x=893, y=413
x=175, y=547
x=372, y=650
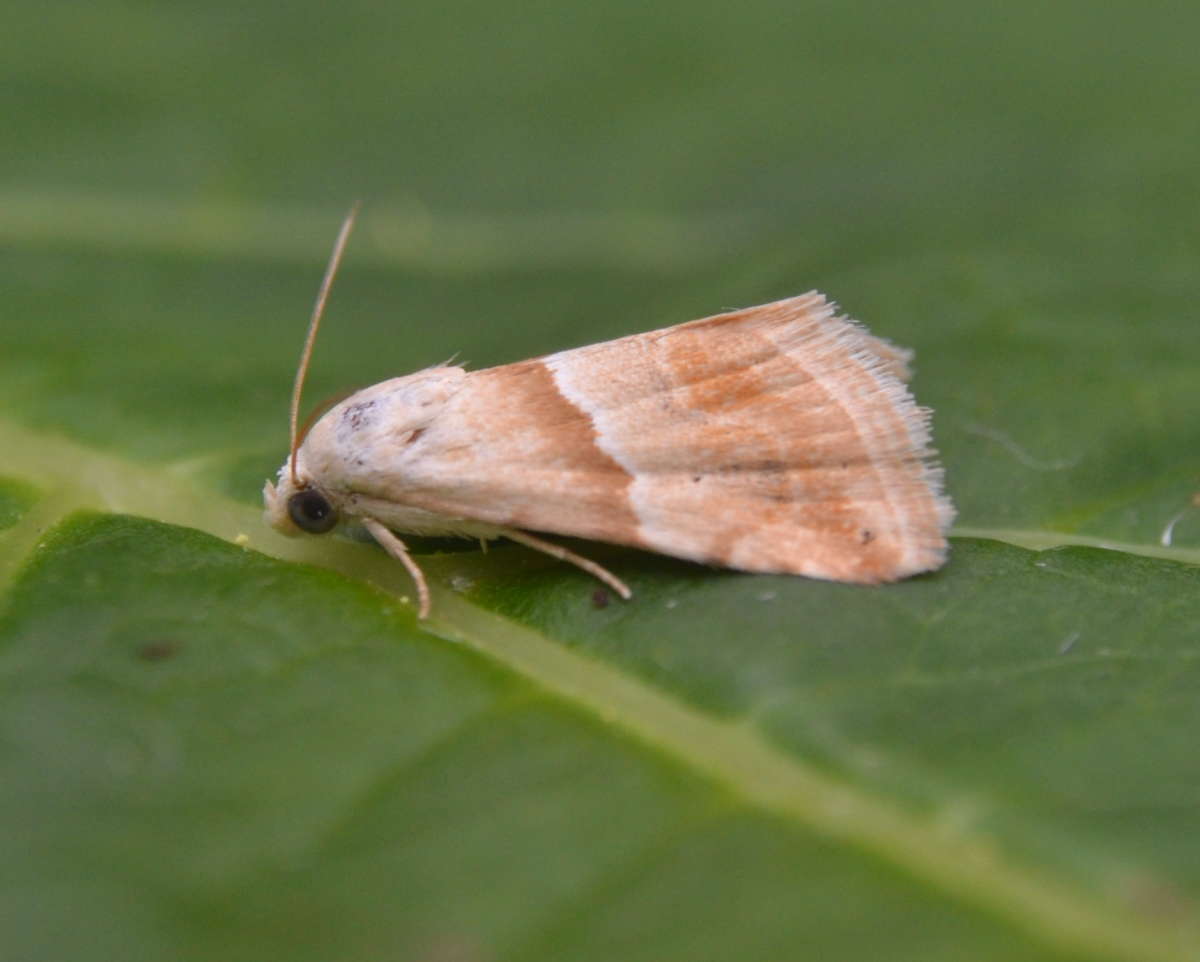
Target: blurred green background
x=1010, y=188
x=1007, y=187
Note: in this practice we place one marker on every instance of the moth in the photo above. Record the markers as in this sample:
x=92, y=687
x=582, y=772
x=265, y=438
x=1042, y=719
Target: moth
x=779, y=438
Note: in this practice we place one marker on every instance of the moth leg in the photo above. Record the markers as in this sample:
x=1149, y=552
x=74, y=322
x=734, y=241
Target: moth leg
x=395, y=547
x=563, y=554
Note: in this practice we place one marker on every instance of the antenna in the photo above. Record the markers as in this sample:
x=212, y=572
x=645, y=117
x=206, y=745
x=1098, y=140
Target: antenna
x=306, y=355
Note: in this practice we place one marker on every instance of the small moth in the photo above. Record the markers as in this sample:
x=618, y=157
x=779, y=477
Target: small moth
x=778, y=438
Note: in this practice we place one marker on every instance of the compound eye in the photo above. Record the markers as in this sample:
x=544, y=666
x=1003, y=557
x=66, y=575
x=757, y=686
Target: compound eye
x=311, y=511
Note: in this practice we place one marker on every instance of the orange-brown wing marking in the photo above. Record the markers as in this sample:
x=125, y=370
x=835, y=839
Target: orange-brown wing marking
x=511, y=450
x=778, y=438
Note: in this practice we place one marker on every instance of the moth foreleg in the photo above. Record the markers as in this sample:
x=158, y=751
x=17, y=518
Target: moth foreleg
x=564, y=554
x=395, y=547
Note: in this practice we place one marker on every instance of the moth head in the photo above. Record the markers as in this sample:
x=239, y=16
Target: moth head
x=297, y=503
x=299, y=508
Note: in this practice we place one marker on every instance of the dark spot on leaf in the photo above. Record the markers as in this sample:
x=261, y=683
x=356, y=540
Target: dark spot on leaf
x=158, y=650
x=600, y=598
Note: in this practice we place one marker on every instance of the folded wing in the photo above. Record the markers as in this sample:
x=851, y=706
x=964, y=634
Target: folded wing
x=777, y=438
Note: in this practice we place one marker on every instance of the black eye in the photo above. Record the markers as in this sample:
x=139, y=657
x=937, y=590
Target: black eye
x=312, y=512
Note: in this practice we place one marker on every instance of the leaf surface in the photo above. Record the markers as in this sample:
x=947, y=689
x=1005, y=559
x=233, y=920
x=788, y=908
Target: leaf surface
x=219, y=743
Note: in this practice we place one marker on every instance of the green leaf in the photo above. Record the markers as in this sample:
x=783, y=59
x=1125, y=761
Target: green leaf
x=219, y=743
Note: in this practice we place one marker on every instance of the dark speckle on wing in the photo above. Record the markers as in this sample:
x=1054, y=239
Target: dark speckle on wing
x=358, y=416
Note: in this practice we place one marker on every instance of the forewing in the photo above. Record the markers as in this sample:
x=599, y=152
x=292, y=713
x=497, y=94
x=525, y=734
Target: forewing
x=776, y=438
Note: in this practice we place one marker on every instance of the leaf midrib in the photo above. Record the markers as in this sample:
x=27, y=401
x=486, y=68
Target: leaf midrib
x=731, y=753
